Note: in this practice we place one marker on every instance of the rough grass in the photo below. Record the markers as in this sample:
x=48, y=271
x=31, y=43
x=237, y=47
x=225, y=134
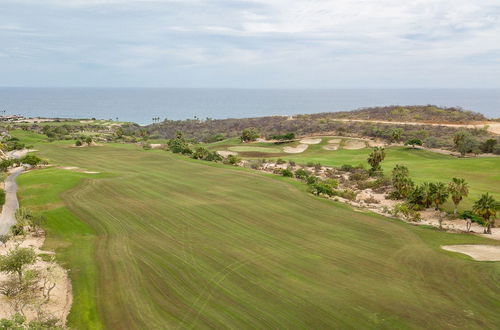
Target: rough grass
x=181, y=243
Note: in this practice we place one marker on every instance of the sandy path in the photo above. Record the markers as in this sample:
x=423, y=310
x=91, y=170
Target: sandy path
x=8, y=215
x=477, y=252
x=493, y=127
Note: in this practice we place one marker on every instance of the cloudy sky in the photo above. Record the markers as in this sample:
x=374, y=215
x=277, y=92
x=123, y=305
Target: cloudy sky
x=250, y=43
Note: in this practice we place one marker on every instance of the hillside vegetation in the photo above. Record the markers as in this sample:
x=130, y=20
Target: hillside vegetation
x=414, y=113
x=211, y=130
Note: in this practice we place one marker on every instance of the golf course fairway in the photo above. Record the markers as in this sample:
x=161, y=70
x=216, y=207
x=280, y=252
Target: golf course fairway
x=157, y=240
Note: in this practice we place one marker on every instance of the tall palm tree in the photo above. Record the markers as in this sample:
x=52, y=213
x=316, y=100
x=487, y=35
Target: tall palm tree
x=427, y=194
x=486, y=207
x=439, y=193
x=458, y=189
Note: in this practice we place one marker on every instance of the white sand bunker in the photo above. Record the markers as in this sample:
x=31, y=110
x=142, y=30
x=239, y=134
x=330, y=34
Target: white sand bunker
x=296, y=150
x=354, y=144
x=77, y=169
x=225, y=153
x=156, y=145
x=376, y=143
x=310, y=141
x=477, y=252
x=331, y=146
x=335, y=141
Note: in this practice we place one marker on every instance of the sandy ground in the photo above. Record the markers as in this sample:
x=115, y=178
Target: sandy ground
x=18, y=153
x=61, y=299
x=354, y=144
x=310, y=141
x=493, y=127
x=77, y=169
x=225, y=153
x=296, y=150
x=477, y=252
x=8, y=215
x=335, y=141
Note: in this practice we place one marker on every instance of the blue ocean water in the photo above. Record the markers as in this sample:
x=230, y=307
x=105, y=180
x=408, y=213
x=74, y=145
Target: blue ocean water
x=142, y=104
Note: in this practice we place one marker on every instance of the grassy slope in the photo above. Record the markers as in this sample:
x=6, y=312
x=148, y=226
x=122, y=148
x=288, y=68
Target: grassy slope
x=481, y=173
x=192, y=244
x=71, y=238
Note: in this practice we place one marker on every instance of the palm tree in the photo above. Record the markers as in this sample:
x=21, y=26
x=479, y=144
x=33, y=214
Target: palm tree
x=439, y=193
x=375, y=158
x=427, y=200
x=458, y=189
x=486, y=207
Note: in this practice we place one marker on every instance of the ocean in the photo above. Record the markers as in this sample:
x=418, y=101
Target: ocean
x=140, y=105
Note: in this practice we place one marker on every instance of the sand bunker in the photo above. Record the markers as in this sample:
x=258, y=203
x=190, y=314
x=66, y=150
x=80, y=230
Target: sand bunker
x=77, y=169
x=331, y=146
x=310, y=141
x=296, y=150
x=335, y=141
x=156, y=145
x=376, y=143
x=477, y=252
x=225, y=153
x=354, y=144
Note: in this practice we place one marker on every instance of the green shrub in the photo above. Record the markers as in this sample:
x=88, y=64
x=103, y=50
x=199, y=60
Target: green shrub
x=302, y=174
x=2, y=197
x=78, y=143
x=287, y=173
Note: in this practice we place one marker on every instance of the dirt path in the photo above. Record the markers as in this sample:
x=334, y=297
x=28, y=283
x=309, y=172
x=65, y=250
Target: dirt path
x=493, y=127
x=8, y=215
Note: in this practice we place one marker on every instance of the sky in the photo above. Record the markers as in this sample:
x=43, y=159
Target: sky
x=251, y=43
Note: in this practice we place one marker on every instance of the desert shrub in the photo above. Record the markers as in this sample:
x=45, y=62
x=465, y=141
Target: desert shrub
x=287, y=173
x=302, y=174
x=346, y=168
x=32, y=160
x=330, y=173
x=348, y=194
x=332, y=183
x=488, y=146
x=310, y=164
x=321, y=188
x=2, y=197
x=407, y=212
x=473, y=217
x=359, y=175
x=200, y=153
x=213, y=156
x=292, y=163
x=5, y=164
x=231, y=160
x=255, y=164
x=280, y=161
x=371, y=200
x=249, y=134
x=179, y=145
x=312, y=180
x=78, y=143
x=317, y=166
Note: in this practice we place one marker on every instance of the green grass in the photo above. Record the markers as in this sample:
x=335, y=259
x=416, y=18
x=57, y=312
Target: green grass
x=72, y=239
x=482, y=174
x=180, y=243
